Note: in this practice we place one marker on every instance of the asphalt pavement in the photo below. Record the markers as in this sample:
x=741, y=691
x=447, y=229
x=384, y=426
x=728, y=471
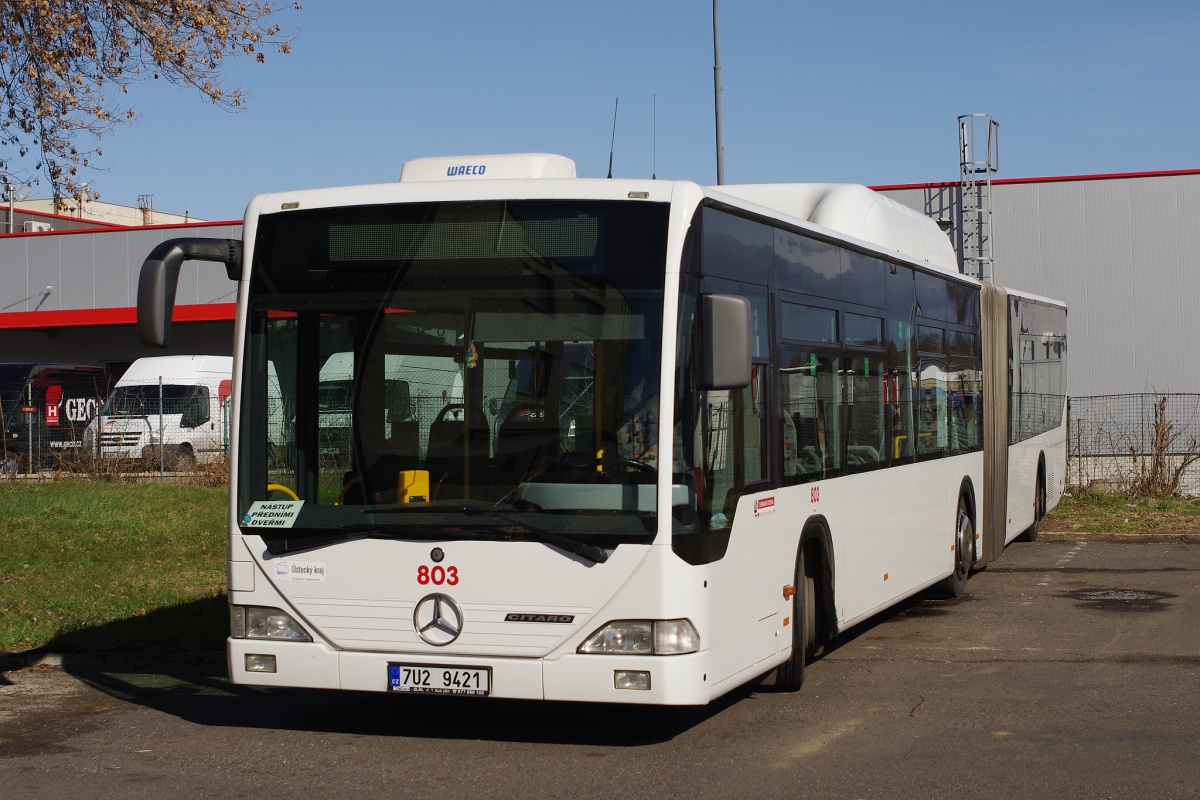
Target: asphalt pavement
x=1070, y=669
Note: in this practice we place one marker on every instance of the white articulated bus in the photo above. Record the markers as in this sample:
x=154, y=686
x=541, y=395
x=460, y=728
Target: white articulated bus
x=694, y=431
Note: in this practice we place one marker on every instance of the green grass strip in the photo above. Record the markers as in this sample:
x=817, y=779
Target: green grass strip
x=93, y=565
x=1100, y=512
x=97, y=565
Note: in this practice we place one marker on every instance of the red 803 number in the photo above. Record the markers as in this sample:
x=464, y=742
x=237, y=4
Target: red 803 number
x=437, y=575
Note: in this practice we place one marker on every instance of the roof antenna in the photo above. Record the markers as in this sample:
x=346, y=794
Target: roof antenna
x=717, y=99
x=654, y=140
x=614, y=137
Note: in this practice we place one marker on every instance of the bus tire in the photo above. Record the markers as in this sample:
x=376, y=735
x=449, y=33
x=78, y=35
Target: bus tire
x=1039, y=508
x=789, y=676
x=964, y=550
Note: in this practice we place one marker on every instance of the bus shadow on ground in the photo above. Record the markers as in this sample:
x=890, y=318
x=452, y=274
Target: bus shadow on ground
x=183, y=674
x=178, y=669
x=204, y=697
x=196, y=627
x=172, y=660
x=922, y=605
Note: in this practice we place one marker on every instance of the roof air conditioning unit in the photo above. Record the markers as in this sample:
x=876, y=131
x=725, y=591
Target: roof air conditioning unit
x=32, y=226
x=506, y=165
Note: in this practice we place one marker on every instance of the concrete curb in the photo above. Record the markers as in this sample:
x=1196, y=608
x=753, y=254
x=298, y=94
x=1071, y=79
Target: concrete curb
x=1121, y=536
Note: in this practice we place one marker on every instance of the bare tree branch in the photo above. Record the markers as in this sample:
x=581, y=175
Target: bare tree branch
x=63, y=62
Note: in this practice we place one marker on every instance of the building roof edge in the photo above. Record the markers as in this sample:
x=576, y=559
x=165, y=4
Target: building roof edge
x=1107, y=176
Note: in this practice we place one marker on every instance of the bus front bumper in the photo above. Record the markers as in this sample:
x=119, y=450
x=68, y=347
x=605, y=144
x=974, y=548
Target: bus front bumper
x=661, y=680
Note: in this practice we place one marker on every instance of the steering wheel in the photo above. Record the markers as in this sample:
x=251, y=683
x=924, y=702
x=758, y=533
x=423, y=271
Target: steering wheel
x=447, y=409
x=641, y=468
x=279, y=487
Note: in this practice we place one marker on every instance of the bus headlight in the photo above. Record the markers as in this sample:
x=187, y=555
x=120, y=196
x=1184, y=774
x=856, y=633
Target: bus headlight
x=257, y=622
x=643, y=637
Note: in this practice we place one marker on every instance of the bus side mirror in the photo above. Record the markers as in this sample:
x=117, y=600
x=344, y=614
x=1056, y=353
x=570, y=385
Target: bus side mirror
x=725, y=321
x=160, y=278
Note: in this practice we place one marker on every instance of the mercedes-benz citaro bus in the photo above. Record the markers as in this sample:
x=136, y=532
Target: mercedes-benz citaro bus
x=693, y=432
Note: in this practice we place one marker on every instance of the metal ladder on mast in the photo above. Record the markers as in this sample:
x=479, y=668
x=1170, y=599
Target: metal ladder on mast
x=979, y=159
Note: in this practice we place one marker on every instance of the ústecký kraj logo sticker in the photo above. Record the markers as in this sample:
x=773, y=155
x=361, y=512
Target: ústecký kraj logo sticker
x=306, y=571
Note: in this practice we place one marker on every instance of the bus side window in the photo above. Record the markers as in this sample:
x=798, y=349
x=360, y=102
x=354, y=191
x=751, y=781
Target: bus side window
x=736, y=436
x=754, y=396
x=966, y=387
x=865, y=414
x=810, y=401
x=933, y=404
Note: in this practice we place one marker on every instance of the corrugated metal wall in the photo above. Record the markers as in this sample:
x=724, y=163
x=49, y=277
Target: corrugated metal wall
x=99, y=269
x=1122, y=252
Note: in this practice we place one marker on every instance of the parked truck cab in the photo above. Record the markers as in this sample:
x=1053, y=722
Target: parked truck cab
x=45, y=411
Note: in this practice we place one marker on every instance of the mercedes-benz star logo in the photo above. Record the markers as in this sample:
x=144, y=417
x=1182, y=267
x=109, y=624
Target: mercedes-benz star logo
x=438, y=619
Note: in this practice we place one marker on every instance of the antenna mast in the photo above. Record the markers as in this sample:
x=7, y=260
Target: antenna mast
x=717, y=93
x=654, y=140
x=613, y=144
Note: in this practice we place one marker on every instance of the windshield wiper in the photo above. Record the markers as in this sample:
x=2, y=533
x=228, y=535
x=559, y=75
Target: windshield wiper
x=342, y=533
x=597, y=555
x=312, y=541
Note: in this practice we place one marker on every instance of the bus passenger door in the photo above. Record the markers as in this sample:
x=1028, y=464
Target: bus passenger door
x=747, y=612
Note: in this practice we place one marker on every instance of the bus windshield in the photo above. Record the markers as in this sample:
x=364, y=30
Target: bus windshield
x=457, y=370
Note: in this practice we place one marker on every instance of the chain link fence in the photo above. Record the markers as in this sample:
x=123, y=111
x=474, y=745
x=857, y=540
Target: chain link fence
x=1127, y=443
x=43, y=421
x=1135, y=443
x=58, y=424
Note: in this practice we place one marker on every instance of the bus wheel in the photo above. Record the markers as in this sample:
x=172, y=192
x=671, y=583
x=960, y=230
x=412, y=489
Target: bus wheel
x=810, y=617
x=1039, y=510
x=789, y=676
x=964, y=551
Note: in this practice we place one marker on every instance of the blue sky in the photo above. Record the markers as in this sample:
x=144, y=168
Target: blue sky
x=859, y=90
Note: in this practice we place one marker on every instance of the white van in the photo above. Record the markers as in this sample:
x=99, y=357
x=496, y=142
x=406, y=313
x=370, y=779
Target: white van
x=179, y=402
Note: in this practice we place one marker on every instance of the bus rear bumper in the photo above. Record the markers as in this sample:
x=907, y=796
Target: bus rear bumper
x=662, y=680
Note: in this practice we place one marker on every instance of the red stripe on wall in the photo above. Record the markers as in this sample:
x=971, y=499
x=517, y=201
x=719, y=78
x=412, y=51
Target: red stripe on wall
x=114, y=228
x=1049, y=179
x=207, y=312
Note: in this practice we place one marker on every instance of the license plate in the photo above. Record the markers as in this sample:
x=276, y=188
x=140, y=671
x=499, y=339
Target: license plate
x=435, y=679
